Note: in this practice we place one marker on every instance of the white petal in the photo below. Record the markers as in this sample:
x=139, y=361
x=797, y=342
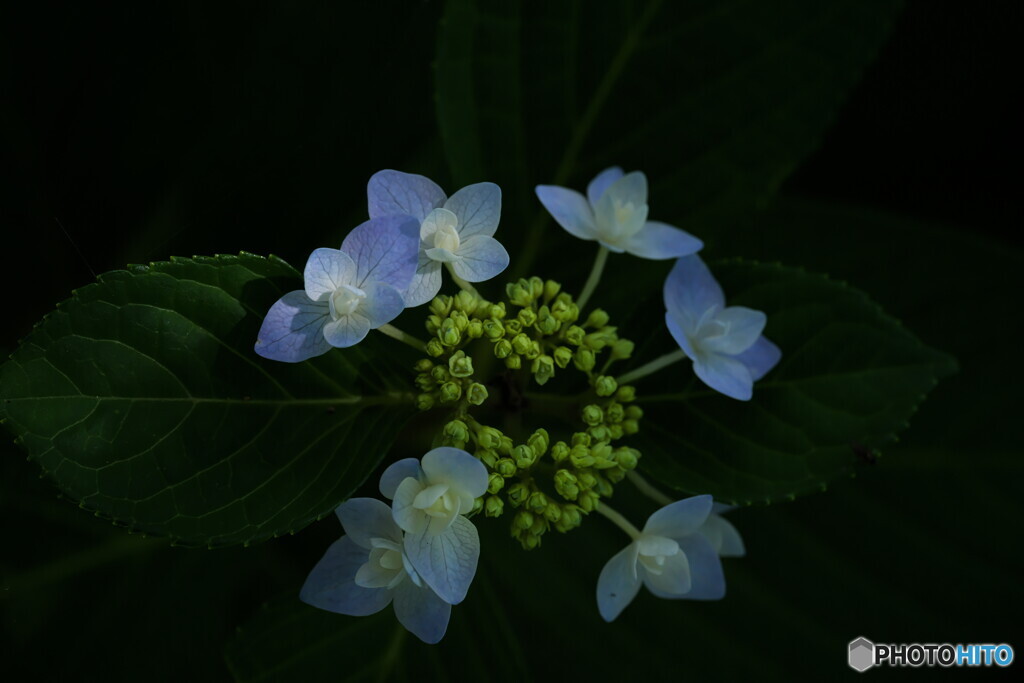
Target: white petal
x=691, y=288
x=725, y=374
x=421, y=612
x=426, y=283
x=679, y=518
x=478, y=208
x=383, y=303
x=294, y=329
x=661, y=241
x=438, y=219
x=411, y=519
x=393, y=192
x=367, y=518
x=441, y=255
x=326, y=270
x=446, y=562
x=396, y=473
x=480, y=258
x=629, y=189
x=331, y=584
x=600, y=183
x=744, y=327
x=618, y=583
x=348, y=330
x=464, y=473
x=570, y=209
x=674, y=578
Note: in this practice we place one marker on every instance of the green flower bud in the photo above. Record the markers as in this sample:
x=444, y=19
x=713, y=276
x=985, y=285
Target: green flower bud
x=574, y=335
x=604, y=463
x=435, y=348
x=495, y=482
x=527, y=317
x=601, y=449
x=604, y=385
x=497, y=311
x=630, y=427
x=506, y=467
x=488, y=457
x=593, y=415
x=461, y=365
x=625, y=393
x=512, y=328
x=538, y=441
x=603, y=487
x=597, y=318
x=567, y=484
x=621, y=349
x=600, y=433
x=519, y=293
x=451, y=392
x=626, y=458
x=475, y=330
x=423, y=365
x=537, y=502
x=562, y=356
x=494, y=329
x=634, y=412
x=503, y=349
x=530, y=542
x=580, y=439
x=465, y=302
x=560, y=451
x=460, y=319
x=615, y=412
x=584, y=359
x=449, y=334
x=536, y=287
x=553, y=512
x=615, y=474
x=523, y=520
x=456, y=431
x=543, y=369
x=534, y=352
x=572, y=517
x=615, y=432
x=441, y=306
x=514, y=362
x=494, y=506
x=524, y=457
x=565, y=311
x=488, y=437
x=521, y=343
x=588, y=501
x=518, y=493
x=425, y=402
x=478, y=505
x=433, y=324
x=580, y=457
x=587, y=480
x=597, y=340
x=425, y=382
x=546, y=323
x=551, y=289
x=440, y=374
x=476, y=394
x=505, y=447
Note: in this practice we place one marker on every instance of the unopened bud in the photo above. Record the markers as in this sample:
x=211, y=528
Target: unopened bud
x=574, y=335
x=424, y=365
x=593, y=415
x=488, y=437
x=566, y=484
x=604, y=385
x=537, y=502
x=514, y=362
x=441, y=305
x=440, y=374
x=425, y=401
x=494, y=506
x=517, y=494
x=527, y=317
x=634, y=412
x=456, y=431
x=475, y=330
x=465, y=302
x=493, y=329
x=538, y=441
x=524, y=457
x=630, y=427
x=580, y=439
x=625, y=393
x=495, y=482
x=476, y=394
x=560, y=451
x=450, y=392
x=543, y=369
x=588, y=501
x=551, y=289
x=435, y=348
x=523, y=520
x=622, y=349
x=583, y=359
x=506, y=467
x=597, y=318
x=503, y=349
x=562, y=356
x=615, y=412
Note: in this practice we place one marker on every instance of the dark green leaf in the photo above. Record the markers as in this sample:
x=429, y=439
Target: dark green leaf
x=143, y=399
x=849, y=379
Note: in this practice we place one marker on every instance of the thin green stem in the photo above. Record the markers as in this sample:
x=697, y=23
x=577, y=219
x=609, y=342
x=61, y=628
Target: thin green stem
x=395, y=333
x=647, y=489
x=595, y=277
x=618, y=520
x=655, y=365
x=462, y=283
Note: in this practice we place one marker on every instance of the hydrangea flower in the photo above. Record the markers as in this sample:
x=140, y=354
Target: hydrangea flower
x=367, y=569
x=347, y=292
x=430, y=499
x=457, y=230
x=729, y=352
x=614, y=213
x=720, y=532
x=670, y=556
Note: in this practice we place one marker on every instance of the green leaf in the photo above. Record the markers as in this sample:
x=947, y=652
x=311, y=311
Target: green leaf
x=291, y=641
x=142, y=398
x=849, y=379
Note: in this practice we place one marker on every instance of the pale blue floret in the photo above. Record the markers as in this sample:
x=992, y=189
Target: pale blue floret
x=728, y=351
x=347, y=292
x=367, y=569
x=723, y=536
x=614, y=213
x=457, y=230
x=430, y=500
x=672, y=557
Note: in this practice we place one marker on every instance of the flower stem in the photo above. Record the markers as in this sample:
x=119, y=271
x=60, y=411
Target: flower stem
x=618, y=519
x=395, y=333
x=655, y=365
x=595, y=277
x=647, y=489
x=462, y=283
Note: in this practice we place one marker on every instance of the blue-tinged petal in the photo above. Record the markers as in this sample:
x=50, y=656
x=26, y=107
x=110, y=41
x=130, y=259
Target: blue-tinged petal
x=480, y=258
x=618, y=583
x=293, y=329
x=457, y=468
x=677, y=326
x=723, y=536
x=346, y=331
x=600, y=183
x=761, y=357
x=383, y=303
x=662, y=241
x=447, y=561
x=570, y=209
x=396, y=473
x=393, y=192
x=679, y=518
x=426, y=283
x=384, y=249
x=691, y=288
x=725, y=374
x=706, y=576
x=673, y=579
x=421, y=612
x=365, y=519
x=478, y=208
x=331, y=584
x=629, y=189
x=326, y=270
x=742, y=328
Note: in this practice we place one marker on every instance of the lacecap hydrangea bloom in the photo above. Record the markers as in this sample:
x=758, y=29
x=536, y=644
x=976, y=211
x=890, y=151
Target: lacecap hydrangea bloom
x=614, y=213
x=670, y=556
x=457, y=231
x=347, y=292
x=728, y=351
x=367, y=569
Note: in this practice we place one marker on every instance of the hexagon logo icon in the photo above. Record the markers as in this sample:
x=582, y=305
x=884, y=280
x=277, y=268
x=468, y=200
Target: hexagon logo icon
x=862, y=654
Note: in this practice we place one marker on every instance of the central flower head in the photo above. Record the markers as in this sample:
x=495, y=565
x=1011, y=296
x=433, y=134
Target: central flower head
x=345, y=300
x=385, y=567
x=654, y=551
x=439, y=232
x=437, y=501
x=619, y=220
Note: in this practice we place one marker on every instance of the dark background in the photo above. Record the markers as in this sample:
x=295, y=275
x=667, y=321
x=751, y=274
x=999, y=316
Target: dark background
x=134, y=133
